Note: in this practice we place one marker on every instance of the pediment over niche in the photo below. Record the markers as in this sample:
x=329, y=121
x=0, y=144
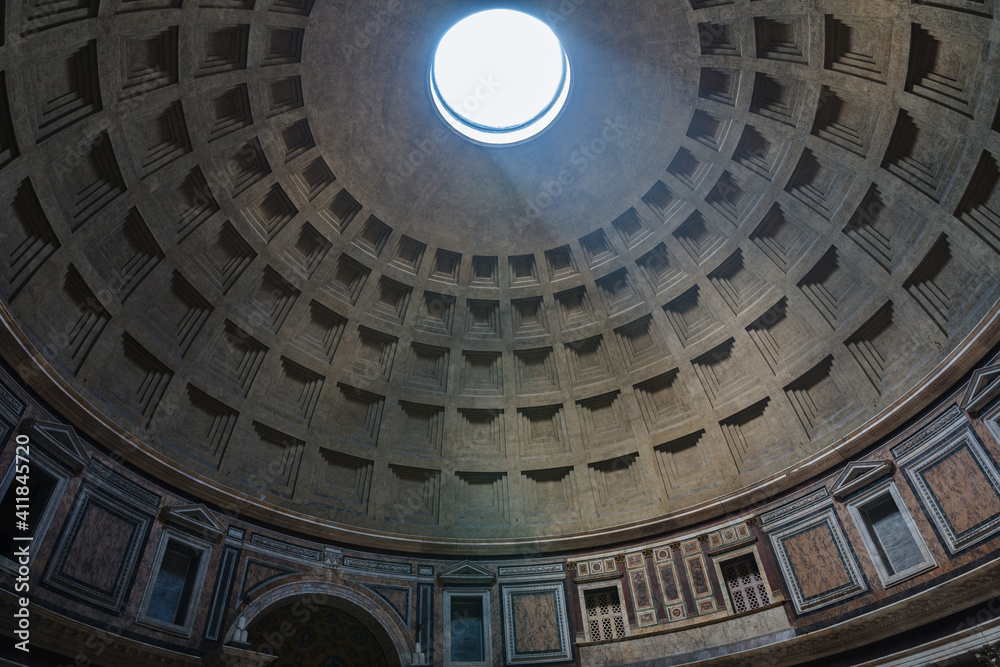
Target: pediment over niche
x=467, y=573
x=195, y=518
x=60, y=441
x=983, y=388
x=860, y=474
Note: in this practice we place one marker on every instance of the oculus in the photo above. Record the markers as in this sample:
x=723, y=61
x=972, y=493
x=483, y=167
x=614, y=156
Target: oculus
x=500, y=77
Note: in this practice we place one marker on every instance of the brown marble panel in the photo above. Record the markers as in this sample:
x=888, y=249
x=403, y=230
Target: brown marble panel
x=954, y=480
x=813, y=558
x=536, y=624
x=99, y=547
x=258, y=573
x=399, y=599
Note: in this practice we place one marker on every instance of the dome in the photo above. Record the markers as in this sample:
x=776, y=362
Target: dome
x=276, y=276
x=250, y=252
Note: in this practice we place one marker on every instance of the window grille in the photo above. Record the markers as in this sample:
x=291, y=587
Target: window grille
x=605, y=616
x=747, y=588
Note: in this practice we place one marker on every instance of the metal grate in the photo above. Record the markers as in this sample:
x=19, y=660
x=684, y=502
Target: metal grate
x=604, y=614
x=747, y=587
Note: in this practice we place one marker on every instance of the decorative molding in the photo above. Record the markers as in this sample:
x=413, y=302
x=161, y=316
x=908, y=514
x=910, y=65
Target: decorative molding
x=466, y=573
x=60, y=441
x=524, y=570
x=920, y=464
x=195, y=518
x=983, y=388
x=104, y=476
x=287, y=549
x=701, y=586
x=536, y=649
x=377, y=566
x=138, y=522
x=728, y=538
x=858, y=475
x=932, y=430
x=220, y=596
x=841, y=549
x=732, y=547
x=604, y=576
x=596, y=566
x=777, y=516
x=889, y=573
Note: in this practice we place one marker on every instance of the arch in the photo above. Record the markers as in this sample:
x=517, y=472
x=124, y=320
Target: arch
x=372, y=612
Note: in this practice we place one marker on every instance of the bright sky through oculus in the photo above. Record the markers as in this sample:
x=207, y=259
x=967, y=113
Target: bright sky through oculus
x=500, y=77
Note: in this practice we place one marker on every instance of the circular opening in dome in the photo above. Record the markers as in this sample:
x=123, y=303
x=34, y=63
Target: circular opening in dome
x=500, y=77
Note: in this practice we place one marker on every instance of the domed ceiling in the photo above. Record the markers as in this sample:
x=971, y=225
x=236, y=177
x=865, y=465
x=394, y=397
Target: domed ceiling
x=241, y=249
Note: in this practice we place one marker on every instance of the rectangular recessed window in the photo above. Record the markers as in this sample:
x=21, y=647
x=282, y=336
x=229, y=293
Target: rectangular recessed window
x=891, y=537
x=44, y=486
x=605, y=615
x=747, y=588
x=40, y=486
x=467, y=628
x=174, y=583
x=174, y=587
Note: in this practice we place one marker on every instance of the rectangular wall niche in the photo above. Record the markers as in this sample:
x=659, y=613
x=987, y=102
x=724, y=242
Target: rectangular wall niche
x=46, y=484
x=467, y=635
x=171, y=597
x=536, y=627
x=601, y=606
x=889, y=533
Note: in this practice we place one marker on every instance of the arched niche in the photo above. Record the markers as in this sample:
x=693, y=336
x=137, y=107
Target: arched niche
x=301, y=602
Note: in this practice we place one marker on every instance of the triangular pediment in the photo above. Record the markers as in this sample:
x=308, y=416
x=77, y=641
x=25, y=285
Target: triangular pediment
x=983, y=388
x=60, y=441
x=858, y=475
x=467, y=573
x=195, y=518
